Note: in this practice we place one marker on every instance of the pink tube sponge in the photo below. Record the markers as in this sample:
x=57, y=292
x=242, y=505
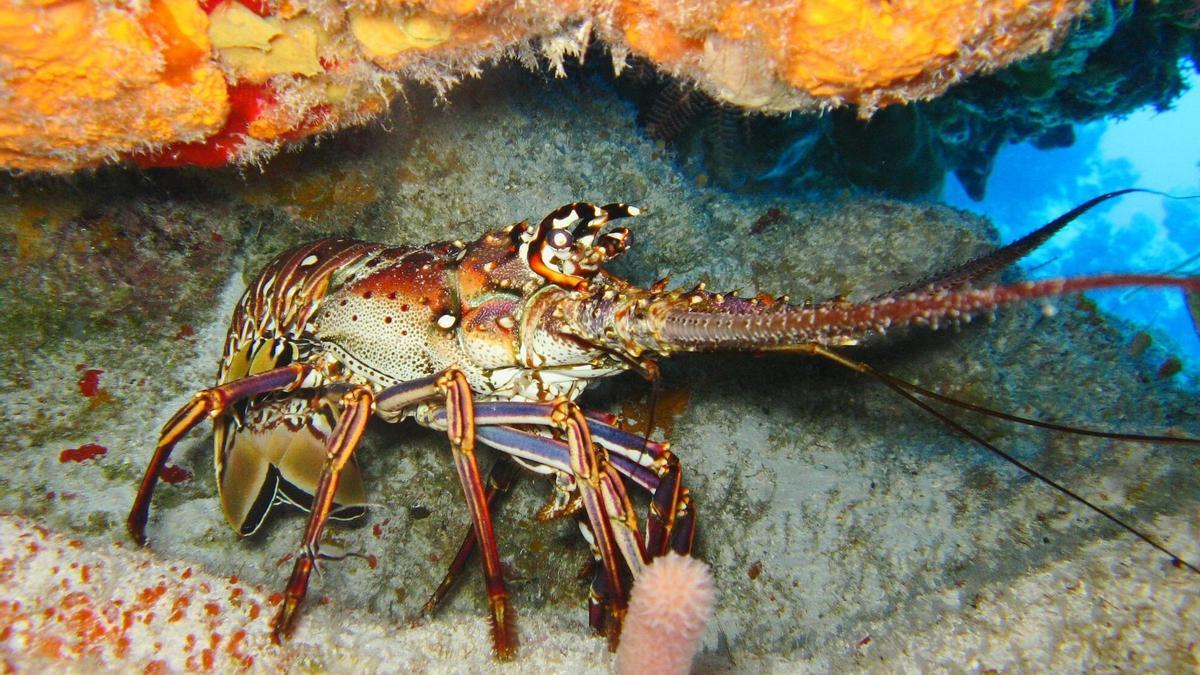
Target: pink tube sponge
x=670, y=606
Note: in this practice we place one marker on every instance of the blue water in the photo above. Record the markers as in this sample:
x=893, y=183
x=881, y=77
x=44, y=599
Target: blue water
x=1135, y=233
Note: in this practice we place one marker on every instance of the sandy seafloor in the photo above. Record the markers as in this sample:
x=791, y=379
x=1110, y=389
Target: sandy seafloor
x=847, y=530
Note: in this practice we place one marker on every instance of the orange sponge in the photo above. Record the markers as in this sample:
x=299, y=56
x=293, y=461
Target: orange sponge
x=219, y=81
x=785, y=55
x=87, y=81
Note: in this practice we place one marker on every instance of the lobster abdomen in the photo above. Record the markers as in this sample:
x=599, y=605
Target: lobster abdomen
x=267, y=450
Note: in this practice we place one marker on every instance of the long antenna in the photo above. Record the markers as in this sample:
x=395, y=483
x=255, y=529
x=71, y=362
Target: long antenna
x=902, y=388
x=1029, y=421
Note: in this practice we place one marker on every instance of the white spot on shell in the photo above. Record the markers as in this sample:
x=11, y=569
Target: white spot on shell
x=506, y=322
x=310, y=260
x=446, y=321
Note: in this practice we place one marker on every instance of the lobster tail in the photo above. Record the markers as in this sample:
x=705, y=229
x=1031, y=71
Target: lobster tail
x=699, y=320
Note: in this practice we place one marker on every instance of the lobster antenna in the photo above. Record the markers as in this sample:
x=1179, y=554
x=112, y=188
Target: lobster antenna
x=1003, y=257
x=1029, y=421
x=895, y=385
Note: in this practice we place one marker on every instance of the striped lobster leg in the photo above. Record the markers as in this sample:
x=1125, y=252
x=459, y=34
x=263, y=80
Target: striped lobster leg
x=460, y=425
x=357, y=406
x=511, y=428
x=209, y=403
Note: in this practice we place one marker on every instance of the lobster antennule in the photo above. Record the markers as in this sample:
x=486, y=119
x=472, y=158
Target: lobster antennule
x=704, y=321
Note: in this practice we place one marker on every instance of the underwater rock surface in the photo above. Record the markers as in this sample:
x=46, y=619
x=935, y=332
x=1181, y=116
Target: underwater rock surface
x=846, y=529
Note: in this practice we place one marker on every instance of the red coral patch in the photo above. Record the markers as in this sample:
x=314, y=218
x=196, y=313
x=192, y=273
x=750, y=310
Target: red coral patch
x=83, y=453
x=175, y=475
x=89, y=382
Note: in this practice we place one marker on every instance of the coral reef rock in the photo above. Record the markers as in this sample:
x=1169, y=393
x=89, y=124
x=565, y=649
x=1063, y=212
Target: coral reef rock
x=213, y=82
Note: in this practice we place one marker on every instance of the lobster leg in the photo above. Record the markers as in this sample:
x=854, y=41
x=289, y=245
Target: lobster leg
x=460, y=427
x=671, y=524
x=647, y=463
x=596, y=476
x=671, y=520
x=607, y=505
x=600, y=598
x=209, y=403
x=459, y=418
x=358, y=404
x=501, y=480
x=678, y=534
x=597, y=471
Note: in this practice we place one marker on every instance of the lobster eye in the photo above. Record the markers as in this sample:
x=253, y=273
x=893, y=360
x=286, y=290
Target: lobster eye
x=561, y=242
x=566, y=248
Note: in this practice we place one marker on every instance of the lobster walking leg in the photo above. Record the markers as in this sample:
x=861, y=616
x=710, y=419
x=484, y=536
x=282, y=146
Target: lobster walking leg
x=670, y=524
x=601, y=488
x=357, y=409
x=587, y=463
x=597, y=468
x=501, y=480
x=209, y=403
x=607, y=505
x=460, y=427
x=459, y=424
x=648, y=464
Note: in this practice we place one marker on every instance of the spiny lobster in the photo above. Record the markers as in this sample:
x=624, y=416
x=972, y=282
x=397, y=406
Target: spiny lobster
x=492, y=341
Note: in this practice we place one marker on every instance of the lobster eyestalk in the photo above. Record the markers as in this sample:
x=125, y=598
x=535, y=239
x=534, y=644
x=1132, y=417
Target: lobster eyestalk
x=664, y=322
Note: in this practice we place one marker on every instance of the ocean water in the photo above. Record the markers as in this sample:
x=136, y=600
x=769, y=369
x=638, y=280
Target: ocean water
x=1135, y=233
